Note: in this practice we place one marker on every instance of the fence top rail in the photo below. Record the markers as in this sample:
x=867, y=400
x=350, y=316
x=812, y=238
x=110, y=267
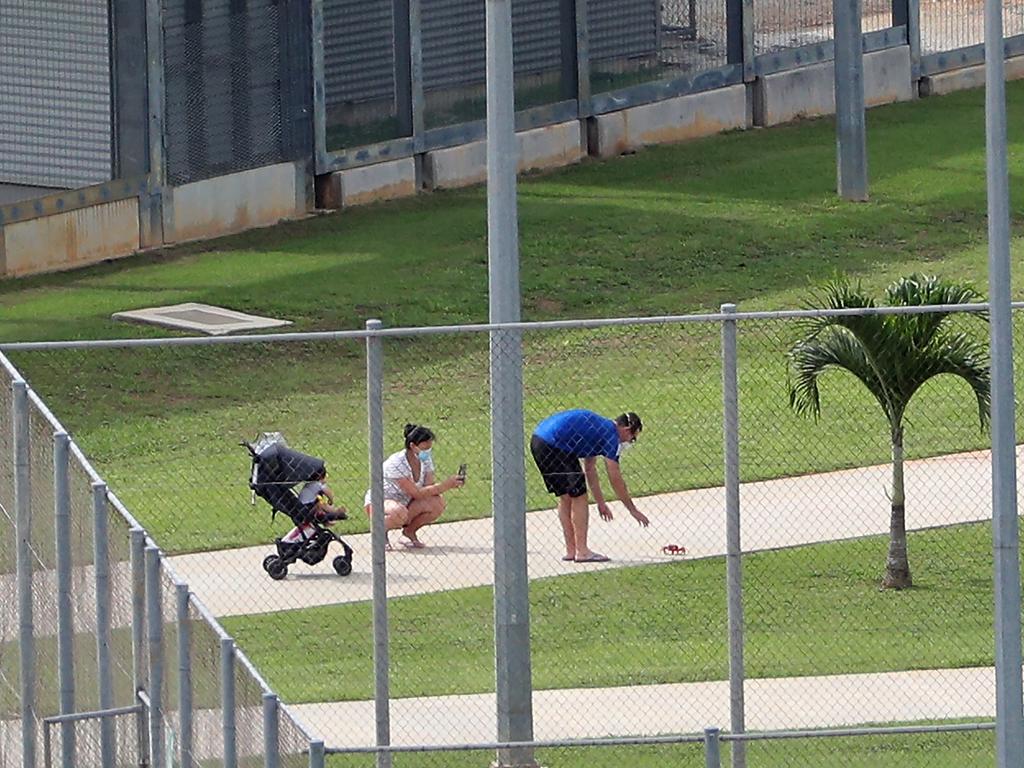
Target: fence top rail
x=544, y=325
x=675, y=739
x=691, y=738
x=891, y=730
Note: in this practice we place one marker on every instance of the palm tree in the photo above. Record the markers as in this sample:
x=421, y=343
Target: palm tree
x=893, y=355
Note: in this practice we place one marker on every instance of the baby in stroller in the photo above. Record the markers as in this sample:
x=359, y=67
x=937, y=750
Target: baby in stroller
x=276, y=470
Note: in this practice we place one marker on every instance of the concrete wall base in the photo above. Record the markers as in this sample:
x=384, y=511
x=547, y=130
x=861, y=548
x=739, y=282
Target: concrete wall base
x=236, y=202
x=810, y=91
x=369, y=184
x=552, y=146
x=678, y=119
x=73, y=239
x=970, y=77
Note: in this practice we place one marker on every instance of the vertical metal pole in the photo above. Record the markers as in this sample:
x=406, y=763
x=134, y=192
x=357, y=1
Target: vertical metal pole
x=152, y=218
x=409, y=68
x=1006, y=545
x=139, y=676
x=713, y=749
x=155, y=633
x=378, y=537
x=575, y=43
x=316, y=754
x=508, y=481
x=23, y=533
x=851, y=129
x=319, y=88
x=733, y=546
x=184, y=674
x=104, y=664
x=271, y=732
x=227, y=701
x=65, y=613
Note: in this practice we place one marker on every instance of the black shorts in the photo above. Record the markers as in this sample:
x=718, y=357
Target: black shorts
x=561, y=471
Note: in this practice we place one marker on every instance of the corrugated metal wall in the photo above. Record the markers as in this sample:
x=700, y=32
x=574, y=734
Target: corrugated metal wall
x=237, y=85
x=55, y=120
x=359, y=35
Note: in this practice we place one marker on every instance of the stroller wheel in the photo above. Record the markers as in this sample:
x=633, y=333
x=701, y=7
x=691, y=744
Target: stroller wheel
x=342, y=565
x=276, y=569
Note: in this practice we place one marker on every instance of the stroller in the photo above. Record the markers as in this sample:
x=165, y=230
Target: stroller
x=276, y=469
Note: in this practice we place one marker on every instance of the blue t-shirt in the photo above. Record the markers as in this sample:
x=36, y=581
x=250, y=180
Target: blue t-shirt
x=580, y=433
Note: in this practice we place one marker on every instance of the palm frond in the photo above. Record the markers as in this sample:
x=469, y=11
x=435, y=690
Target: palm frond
x=958, y=354
x=835, y=347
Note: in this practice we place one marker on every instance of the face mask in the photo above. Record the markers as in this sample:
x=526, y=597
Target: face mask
x=424, y=455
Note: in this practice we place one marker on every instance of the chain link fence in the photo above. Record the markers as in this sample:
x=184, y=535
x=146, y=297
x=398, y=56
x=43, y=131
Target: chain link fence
x=638, y=646
x=947, y=25
x=110, y=685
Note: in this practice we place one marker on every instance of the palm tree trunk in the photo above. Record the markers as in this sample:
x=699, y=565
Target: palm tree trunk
x=897, y=566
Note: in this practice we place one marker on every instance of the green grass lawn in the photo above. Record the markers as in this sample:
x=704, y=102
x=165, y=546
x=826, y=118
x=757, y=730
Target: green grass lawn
x=749, y=217
x=657, y=624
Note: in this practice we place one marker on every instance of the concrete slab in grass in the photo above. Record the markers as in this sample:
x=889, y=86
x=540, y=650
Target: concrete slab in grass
x=205, y=318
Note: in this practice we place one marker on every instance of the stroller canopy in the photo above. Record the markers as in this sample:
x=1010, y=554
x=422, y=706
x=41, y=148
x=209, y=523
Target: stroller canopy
x=278, y=464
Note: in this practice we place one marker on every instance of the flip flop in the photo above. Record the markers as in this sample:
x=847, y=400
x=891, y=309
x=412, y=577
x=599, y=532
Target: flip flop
x=410, y=544
x=593, y=557
x=569, y=559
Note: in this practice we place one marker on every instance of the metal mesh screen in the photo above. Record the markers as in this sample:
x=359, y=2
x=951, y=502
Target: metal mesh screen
x=454, y=58
x=782, y=24
x=208, y=737
x=248, y=715
x=359, y=72
x=950, y=24
x=10, y=694
x=237, y=86
x=87, y=738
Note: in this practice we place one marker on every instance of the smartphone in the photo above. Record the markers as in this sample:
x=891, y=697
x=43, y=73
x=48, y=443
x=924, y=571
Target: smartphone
x=462, y=472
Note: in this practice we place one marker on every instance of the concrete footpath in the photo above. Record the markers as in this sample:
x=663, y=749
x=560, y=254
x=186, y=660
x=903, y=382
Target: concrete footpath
x=643, y=710
x=830, y=506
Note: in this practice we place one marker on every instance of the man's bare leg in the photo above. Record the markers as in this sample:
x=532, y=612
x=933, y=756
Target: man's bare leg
x=565, y=517
x=580, y=516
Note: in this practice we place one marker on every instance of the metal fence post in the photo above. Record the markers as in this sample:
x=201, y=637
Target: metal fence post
x=513, y=683
x=65, y=614
x=158, y=196
x=23, y=534
x=319, y=89
x=907, y=13
x=104, y=668
x=316, y=754
x=712, y=748
x=734, y=548
x=378, y=537
x=271, y=732
x=227, y=701
x=155, y=622
x=575, y=46
x=184, y=673
x=139, y=676
x=1005, y=526
x=851, y=129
